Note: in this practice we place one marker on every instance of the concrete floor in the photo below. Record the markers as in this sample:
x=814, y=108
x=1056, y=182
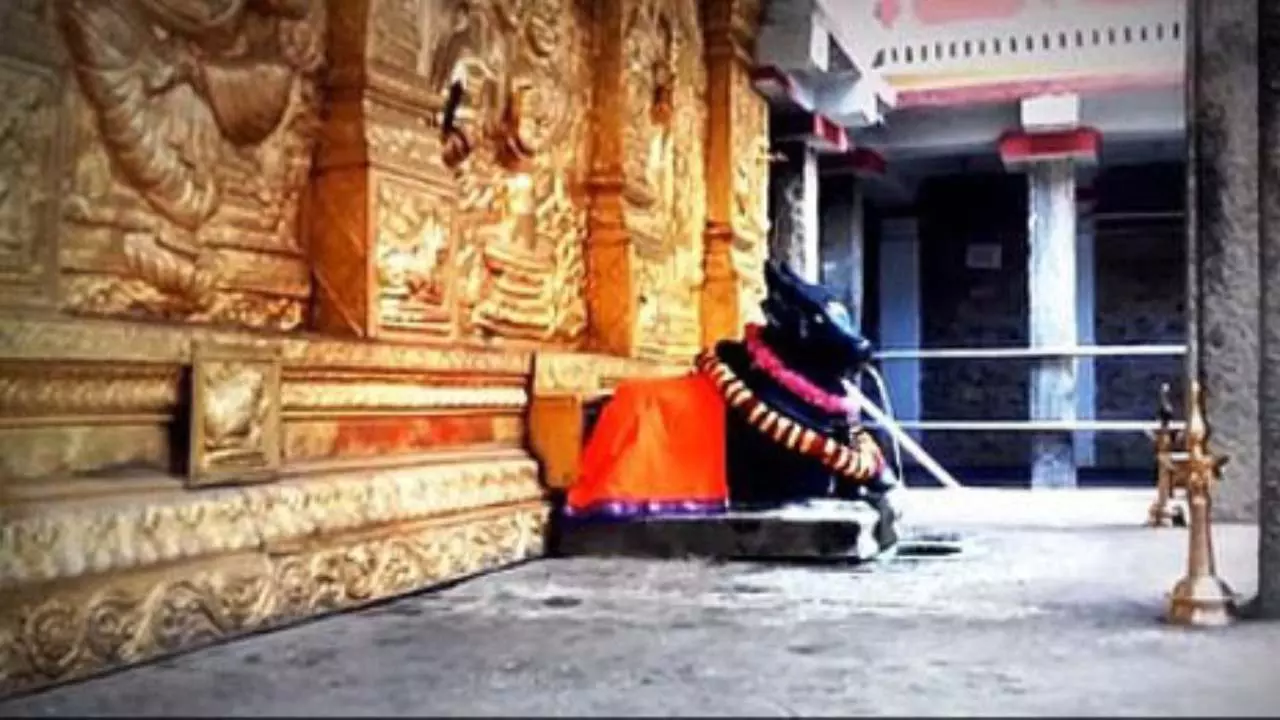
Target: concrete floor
x=1051, y=610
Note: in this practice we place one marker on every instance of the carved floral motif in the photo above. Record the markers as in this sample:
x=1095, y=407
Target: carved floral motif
x=70, y=543
x=193, y=149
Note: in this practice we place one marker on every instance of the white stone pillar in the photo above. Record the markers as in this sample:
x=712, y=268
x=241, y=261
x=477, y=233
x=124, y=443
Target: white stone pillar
x=1049, y=148
x=1051, y=285
x=900, y=317
x=1086, y=447
x=794, y=187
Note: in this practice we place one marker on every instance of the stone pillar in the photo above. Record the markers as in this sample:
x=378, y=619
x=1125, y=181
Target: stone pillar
x=737, y=162
x=1051, y=286
x=1267, y=603
x=1086, y=303
x=1050, y=148
x=1224, y=282
x=842, y=240
x=794, y=209
x=900, y=317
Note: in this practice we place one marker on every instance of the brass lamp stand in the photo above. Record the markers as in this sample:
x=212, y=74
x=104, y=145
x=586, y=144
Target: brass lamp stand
x=1161, y=512
x=1200, y=598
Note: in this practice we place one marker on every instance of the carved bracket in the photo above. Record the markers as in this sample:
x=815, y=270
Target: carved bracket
x=235, y=415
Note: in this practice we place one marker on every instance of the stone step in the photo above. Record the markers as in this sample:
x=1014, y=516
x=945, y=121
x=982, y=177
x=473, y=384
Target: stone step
x=848, y=530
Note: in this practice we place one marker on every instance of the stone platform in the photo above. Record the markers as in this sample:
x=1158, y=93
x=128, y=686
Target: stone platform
x=849, y=530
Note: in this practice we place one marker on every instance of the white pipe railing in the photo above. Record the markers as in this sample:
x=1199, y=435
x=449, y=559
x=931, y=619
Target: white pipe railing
x=1034, y=426
x=1009, y=353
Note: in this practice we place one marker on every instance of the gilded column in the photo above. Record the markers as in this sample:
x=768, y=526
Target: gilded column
x=611, y=295
x=737, y=171
x=382, y=198
x=645, y=258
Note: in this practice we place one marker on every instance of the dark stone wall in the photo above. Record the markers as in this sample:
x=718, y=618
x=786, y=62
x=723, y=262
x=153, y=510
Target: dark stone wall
x=842, y=241
x=1140, y=297
x=974, y=308
x=1268, y=600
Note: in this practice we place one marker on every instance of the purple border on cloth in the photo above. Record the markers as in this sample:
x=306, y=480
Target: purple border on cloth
x=635, y=510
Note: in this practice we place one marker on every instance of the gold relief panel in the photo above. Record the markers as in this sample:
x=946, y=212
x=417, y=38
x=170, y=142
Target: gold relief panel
x=402, y=143
x=191, y=154
x=664, y=136
x=749, y=120
x=412, y=227
x=31, y=121
x=515, y=79
x=235, y=415
x=398, y=26
x=750, y=209
x=499, y=113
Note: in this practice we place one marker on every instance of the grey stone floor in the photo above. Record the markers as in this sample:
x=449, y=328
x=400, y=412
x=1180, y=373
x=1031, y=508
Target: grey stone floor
x=1030, y=619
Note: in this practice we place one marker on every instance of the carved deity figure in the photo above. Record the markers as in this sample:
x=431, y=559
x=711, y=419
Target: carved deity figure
x=204, y=115
x=512, y=125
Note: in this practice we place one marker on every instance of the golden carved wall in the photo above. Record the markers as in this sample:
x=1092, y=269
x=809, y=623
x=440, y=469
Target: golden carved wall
x=188, y=143
x=648, y=179
x=737, y=173
x=273, y=274
x=452, y=173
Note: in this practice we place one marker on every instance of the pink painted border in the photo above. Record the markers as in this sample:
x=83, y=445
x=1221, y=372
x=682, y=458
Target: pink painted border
x=1016, y=90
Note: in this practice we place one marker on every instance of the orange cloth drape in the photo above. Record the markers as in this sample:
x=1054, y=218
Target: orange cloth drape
x=659, y=446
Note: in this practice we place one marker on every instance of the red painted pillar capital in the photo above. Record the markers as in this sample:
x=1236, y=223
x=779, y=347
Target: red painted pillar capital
x=859, y=161
x=1019, y=148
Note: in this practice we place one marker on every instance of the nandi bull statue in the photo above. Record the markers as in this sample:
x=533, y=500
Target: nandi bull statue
x=761, y=424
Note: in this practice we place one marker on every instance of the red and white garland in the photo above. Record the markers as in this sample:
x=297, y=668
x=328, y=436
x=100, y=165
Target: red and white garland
x=763, y=357
x=860, y=461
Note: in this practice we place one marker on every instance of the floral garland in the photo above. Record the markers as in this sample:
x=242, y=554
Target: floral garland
x=859, y=462
x=763, y=357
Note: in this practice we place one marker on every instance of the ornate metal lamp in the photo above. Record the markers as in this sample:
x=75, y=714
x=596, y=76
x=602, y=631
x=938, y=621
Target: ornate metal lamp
x=1161, y=513
x=1200, y=598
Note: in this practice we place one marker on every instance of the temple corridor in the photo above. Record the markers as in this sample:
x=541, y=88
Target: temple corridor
x=324, y=322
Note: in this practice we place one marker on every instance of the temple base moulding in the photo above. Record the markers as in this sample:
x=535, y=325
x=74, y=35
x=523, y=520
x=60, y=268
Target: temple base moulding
x=69, y=629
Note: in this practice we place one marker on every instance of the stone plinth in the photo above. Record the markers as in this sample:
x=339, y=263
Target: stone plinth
x=830, y=530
